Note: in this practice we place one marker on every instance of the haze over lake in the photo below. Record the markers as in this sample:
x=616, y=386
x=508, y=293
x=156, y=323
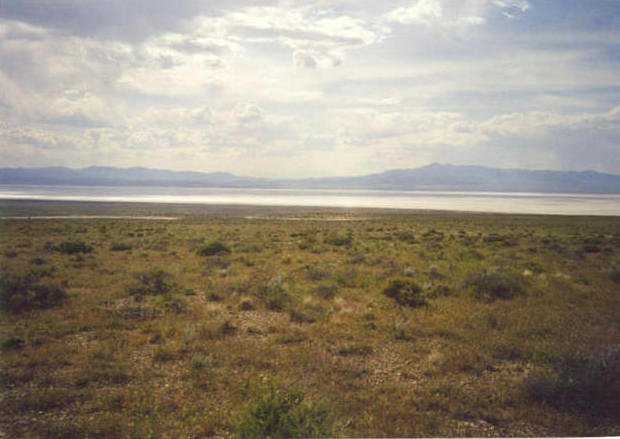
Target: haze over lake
x=497, y=202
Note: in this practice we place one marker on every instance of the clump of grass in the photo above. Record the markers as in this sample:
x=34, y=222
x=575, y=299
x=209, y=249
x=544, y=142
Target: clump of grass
x=441, y=291
x=213, y=248
x=405, y=292
x=316, y=273
x=169, y=301
x=73, y=247
x=216, y=329
x=355, y=349
x=137, y=312
x=491, y=285
x=307, y=242
x=400, y=329
x=199, y=362
x=28, y=292
x=246, y=305
x=154, y=282
x=339, y=239
x=103, y=371
x=163, y=354
x=405, y=236
x=38, y=261
x=580, y=381
x=12, y=343
x=43, y=400
x=275, y=294
x=308, y=313
x=120, y=246
x=326, y=291
x=493, y=237
x=217, y=262
x=278, y=413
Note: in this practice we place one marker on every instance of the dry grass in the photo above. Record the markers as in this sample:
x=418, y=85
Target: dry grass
x=155, y=340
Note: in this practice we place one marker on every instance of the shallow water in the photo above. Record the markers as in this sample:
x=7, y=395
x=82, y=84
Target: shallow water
x=498, y=202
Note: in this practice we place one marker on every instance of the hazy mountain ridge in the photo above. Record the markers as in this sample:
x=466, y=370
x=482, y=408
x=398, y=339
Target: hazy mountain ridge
x=431, y=177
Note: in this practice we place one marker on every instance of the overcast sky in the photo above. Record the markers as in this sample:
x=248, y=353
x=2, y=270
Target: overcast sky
x=310, y=88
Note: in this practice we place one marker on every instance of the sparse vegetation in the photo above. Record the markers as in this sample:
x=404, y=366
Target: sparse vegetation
x=580, y=381
x=405, y=292
x=213, y=248
x=73, y=247
x=281, y=413
x=120, y=246
x=153, y=282
x=499, y=284
x=388, y=325
x=275, y=293
x=29, y=292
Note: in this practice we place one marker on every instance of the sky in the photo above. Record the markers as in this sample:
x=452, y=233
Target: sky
x=304, y=88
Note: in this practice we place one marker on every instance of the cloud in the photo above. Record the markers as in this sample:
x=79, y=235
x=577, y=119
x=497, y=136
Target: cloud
x=316, y=37
x=423, y=11
x=454, y=13
x=521, y=5
x=441, y=13
x=355, y=86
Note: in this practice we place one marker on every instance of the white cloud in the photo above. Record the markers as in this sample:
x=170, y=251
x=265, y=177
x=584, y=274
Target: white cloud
x=316, y=37
x=453, y=13
x=423, y=11
x=521, y=5
x=365, y=84
x=471, y=21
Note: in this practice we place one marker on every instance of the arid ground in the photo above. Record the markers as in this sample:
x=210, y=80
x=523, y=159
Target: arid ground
x=197, y=321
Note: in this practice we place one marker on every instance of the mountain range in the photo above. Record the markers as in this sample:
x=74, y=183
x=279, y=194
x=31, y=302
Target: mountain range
x=436, y=176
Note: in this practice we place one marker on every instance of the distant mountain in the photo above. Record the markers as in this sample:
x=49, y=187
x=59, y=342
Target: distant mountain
x=431, y=177
x=110, y=176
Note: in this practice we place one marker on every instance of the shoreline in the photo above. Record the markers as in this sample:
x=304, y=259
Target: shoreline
x=56, y=209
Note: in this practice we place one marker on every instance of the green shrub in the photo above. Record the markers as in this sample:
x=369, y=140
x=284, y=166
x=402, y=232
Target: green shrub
x=283, y=414
x=308, y=313
x=405, y=292
x=355, y=349
x=326, y=291
x=216, y=329
x=72, y=247
x=212, y=249
x=218, y=262
x=580, y=381
x=103, y=372
x=129, y=312
x=163, y=354
x=169, y=301
x=12, y=343
x=200, y=362
x=501, y=284
x=316, y=273
x=19, y=294
x=441, y=291
x=493, y=237
x=339, y=239
x=38, y=261
x=120, y=246
x=275, y=294
x=405, y=236
x=590, y=248
x=246, y=305
x=154, y=282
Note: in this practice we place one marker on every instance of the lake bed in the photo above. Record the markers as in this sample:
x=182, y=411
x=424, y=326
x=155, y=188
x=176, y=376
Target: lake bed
x=491, y=202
